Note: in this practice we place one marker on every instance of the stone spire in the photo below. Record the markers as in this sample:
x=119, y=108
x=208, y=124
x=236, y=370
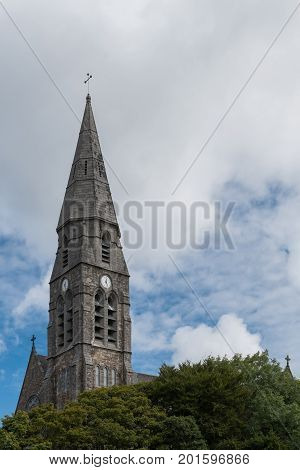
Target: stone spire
x=88, y=145
x=88, y=163
x=88, y=184
x=88, y=121
x=88, y=201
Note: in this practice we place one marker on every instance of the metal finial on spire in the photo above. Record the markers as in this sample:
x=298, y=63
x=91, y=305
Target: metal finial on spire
x=87, y=81
x=33, y=341
x=287, y=358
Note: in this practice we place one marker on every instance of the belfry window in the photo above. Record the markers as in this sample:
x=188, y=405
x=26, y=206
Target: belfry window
x=64, y=310
x=99, y=316
x=60, y=323
x=106, y=247
x=112, y=318
x=106, y=316
x=85, y=167
x=69, y=317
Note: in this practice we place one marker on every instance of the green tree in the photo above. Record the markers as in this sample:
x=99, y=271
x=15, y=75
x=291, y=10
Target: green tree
x=180, y=432
x=237, y=403
x=108, y=418
x=8, y=441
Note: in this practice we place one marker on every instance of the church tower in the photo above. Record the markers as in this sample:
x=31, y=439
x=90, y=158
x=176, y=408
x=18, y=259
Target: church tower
x=89, y=330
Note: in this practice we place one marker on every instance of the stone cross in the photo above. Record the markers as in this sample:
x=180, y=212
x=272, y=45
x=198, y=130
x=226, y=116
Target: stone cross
x=33, y=341
x=287, y=358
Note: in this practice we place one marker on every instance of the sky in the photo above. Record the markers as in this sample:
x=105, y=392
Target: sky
x=168, y=77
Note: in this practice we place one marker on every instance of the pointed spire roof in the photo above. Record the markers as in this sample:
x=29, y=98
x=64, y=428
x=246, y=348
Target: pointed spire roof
x=88, y=122
x=88, y=144
x=88, y=180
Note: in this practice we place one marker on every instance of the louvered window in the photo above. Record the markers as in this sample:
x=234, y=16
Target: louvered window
x=112, y=319
x=60, y=323
x=106, y=248
x=99, y=316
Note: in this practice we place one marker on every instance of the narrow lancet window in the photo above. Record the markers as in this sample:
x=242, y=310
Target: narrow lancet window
x=106, y=247
x=113, y=377
x=97, y=376
x=105, y=377
x=65, y=258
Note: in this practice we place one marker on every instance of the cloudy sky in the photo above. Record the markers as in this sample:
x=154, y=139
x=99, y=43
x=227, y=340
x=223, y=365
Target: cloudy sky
x=164, y=73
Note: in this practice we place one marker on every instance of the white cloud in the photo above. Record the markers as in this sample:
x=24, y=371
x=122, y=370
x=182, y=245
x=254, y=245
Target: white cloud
x=173, y=68
x=196, y=343
x=151, y=331
x=36, y=298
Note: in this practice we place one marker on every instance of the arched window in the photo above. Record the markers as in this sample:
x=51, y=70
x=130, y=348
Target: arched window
x=112, y=318
x=99, y=316
x=60, y=322
x=106, y=247
x=69, y=317
x=97, y=376
x=113, y=377
x=32, y=402
x=105, y=377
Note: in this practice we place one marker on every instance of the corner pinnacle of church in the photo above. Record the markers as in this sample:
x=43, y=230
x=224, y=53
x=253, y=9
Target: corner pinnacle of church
x=287, y=369
x=33, y=350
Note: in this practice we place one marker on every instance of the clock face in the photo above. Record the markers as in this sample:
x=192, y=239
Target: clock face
x=105, y=282
x=65, y=285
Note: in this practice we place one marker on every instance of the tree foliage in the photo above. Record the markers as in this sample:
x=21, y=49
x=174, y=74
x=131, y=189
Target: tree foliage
x=239, y=403
x=219, y=403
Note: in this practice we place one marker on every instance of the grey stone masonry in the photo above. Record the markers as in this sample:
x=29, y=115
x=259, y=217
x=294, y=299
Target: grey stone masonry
x=89, y=330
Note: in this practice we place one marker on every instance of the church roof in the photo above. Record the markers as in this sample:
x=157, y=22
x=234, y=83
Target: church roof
x=43, y=361
x=34, y=376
